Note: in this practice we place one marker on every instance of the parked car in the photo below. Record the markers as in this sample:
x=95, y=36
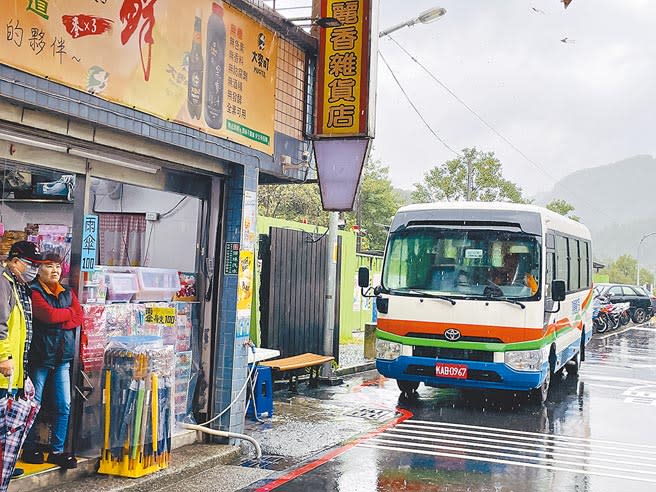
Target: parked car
x=643, y=304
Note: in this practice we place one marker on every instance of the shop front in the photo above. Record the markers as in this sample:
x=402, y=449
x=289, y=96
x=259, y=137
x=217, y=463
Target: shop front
x=140, y=169
x=138, y=258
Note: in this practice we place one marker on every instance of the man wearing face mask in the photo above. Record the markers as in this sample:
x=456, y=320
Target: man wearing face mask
x=21, y=268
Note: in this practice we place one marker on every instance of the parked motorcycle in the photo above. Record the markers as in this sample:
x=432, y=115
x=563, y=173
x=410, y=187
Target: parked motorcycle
x=600, y=308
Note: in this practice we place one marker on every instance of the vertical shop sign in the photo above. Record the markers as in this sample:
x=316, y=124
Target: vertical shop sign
x=346, y=89
x=89, y=243
x=345, y=70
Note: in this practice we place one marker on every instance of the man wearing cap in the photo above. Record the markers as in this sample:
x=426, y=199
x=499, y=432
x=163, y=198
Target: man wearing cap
x=16, y=314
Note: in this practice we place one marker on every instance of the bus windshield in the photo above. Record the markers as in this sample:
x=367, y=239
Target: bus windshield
x=473, y=263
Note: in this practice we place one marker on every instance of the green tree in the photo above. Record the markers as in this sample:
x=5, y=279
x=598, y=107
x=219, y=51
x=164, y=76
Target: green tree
x=623, y=271
x=563, y=207
x=376, y=205
x=448, y=181
x=297, y=202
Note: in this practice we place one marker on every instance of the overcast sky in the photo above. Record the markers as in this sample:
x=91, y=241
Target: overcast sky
x=567, y=106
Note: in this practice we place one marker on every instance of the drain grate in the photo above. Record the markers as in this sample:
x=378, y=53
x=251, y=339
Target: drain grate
x=266, y=462
x=370, y=413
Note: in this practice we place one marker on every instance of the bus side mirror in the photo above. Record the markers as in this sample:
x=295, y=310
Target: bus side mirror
x=558, y=289
x=363, y=277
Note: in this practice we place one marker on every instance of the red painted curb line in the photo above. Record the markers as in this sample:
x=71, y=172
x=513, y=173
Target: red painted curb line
x=405, y=415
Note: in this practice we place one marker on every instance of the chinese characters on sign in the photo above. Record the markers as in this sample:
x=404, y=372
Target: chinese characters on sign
x=124, y=51
x=237, y=75
x=85, y=25
x=343, y=69
x=231, y=263
x=160, y=315
x=89, y=243
x=132, y=13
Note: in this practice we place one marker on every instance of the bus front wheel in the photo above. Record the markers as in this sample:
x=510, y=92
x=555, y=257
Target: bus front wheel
x=541, y=393
x=407, y=387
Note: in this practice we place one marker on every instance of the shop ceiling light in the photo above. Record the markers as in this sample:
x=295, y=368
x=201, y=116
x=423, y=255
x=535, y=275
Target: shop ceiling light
x=111, y=160
x=41, y=144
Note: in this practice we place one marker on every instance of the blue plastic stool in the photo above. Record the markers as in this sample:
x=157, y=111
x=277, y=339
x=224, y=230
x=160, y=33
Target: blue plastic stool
x=262, y=393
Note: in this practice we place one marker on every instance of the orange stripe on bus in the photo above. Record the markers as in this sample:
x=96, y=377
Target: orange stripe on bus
x=507, y=334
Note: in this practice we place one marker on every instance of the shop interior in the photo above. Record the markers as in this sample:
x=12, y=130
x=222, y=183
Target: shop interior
x=141, y=297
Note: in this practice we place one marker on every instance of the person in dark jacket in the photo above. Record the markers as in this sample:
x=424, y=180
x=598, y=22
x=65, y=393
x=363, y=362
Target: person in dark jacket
x=57, y=313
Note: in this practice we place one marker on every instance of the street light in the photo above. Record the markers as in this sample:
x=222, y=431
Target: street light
x=640, y=244
x=430, y=15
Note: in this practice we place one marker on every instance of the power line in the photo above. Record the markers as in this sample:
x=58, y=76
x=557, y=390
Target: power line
x=430, y=129
x=488, y=125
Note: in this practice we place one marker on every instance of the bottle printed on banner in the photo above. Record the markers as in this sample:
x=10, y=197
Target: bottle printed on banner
x=215, y=53
x=195, y=81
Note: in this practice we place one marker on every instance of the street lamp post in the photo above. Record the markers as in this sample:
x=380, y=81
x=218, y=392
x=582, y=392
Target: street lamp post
x=430, y=15
x=425, y=17
x=639, y=245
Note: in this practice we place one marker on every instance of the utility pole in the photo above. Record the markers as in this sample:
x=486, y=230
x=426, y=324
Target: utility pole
x=470, y=184
x=329, y=300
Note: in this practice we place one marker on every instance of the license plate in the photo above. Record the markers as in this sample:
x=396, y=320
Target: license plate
x=454, y=371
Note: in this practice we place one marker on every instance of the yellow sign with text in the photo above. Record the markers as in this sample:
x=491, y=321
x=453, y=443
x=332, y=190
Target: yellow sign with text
x=200, y=63
x=343, y=72
x=160, y=315
x=245, y=281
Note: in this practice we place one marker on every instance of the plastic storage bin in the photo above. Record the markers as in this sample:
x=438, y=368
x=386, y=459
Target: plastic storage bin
x=121, y=287
x=156, y=284
x=262, y=393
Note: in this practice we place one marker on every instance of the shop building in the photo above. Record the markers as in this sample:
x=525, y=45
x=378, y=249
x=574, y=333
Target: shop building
x=160, y=122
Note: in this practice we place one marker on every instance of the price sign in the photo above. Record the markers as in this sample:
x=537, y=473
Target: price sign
x=161, y=315
x=89, y=243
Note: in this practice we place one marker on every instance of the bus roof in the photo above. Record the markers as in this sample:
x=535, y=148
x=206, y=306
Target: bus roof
x=549, y=219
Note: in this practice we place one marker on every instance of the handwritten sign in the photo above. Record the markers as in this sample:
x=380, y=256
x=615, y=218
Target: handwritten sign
x=89, y=243
x=160, y=315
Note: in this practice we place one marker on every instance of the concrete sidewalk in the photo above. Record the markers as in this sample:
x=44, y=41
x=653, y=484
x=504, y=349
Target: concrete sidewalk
x=190, y=468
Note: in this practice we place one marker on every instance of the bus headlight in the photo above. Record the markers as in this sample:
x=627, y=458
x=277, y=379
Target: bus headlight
x=387, y=350
x=524, y=360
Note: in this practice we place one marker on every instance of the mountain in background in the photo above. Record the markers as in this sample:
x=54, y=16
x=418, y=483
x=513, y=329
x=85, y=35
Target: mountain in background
x=618, y=204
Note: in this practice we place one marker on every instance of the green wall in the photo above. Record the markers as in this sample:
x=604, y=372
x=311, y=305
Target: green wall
x=354, y=311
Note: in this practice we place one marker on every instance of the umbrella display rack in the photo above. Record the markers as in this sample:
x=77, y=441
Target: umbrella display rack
x=136, y=406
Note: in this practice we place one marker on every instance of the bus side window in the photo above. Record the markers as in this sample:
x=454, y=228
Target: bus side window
x=549, y=274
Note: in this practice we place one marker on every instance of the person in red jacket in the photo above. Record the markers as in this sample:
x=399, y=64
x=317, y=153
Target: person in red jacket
x=57, y=313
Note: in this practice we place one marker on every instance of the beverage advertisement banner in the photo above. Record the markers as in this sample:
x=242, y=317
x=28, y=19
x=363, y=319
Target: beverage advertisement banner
x=200, y=63
x=344, y=70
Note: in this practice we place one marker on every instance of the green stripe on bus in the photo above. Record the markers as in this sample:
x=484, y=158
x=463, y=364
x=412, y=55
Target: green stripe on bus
x=488, y=347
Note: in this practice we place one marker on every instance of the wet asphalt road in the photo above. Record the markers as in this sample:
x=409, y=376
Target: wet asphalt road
x=595, y=434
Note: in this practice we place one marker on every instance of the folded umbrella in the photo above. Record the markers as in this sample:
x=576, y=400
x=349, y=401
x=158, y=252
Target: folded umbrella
x=17, y=415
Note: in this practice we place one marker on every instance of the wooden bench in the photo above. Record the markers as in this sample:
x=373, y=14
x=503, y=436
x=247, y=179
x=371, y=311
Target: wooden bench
x=293, y=365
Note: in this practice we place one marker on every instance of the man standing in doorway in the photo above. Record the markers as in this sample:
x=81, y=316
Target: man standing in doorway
x=16, y=315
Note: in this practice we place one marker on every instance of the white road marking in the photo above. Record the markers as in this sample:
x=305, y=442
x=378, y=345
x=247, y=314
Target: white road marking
x=510, y=462
x=615, y=379
x=613, y=333
x=522, y=458
x=525, y=447
x=521, y=448
x=645, y=447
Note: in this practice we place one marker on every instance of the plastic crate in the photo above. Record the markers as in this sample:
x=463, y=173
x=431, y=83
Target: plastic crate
x=121, y=287
x=156, y=284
